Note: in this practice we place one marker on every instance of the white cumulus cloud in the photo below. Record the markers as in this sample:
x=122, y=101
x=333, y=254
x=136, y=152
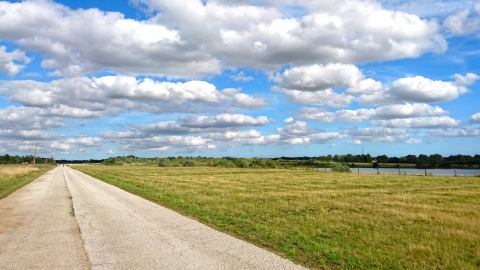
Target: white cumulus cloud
x=475, y=118
x=398, y=111
x=319, y=77
x=464, y=22
x=420, y=90
x=193, y=39
x=455, y=132
x=421, y=122
x=9, y=61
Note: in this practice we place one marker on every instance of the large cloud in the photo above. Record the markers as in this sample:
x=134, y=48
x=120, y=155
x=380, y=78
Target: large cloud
x=321, y=98
x=319, y=77
x=216, y=131
x=333, y=31
x=108, y=96
x=316, y=84
x=420, y=89
x=189, y=125
x=75, y=42
x=421, y=122
x=223, y=120
x=388, y=135
x=400, y=111
x=189, y=38
x=25, y=118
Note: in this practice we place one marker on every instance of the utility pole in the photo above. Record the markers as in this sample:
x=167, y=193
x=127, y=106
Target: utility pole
x=35, y=155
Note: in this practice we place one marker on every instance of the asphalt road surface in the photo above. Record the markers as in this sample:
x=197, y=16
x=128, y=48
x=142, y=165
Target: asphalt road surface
x=68, y=220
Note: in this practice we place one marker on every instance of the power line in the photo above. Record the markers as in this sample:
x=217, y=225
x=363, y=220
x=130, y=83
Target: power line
x=12, y=126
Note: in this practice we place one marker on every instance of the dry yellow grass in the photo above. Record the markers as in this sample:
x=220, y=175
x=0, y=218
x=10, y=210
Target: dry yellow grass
x=13, y=177
x=16, y=169
x=325, y=220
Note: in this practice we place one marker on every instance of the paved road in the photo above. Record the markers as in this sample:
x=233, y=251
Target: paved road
x=68, y=220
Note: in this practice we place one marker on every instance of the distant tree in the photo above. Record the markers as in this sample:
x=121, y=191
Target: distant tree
x=435, y=160
x=423, y=162
x=382, y=159
x=412, y=159
x=477, y=159
x=393, y=160
x=423, y=158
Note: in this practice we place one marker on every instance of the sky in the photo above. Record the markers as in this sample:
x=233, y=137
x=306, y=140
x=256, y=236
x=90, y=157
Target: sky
x=245, y=78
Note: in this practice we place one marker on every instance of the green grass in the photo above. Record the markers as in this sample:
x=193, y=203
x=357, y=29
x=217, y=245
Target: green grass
x=13, y=177
x=324, y=220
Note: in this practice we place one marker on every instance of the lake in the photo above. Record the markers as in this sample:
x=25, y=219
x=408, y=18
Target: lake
x=409, y=171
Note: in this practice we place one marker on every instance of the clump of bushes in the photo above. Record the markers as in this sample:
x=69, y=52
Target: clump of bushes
x=338, y=167
x=163, y=163
x=189, y=163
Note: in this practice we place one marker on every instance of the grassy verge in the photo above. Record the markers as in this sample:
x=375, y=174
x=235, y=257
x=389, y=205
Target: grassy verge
x=324, y=220
x=13, y=177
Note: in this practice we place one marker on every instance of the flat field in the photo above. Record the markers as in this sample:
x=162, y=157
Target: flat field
x=13, y=177
x=324, y=220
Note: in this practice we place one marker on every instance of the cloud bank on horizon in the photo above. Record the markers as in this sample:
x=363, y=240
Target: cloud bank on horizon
x=239, y=78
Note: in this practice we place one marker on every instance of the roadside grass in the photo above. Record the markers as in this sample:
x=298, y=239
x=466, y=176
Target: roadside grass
x=13, y=177
x=324, y=220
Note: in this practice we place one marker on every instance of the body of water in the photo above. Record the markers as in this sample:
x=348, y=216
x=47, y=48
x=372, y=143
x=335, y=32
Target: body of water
x=431, y=172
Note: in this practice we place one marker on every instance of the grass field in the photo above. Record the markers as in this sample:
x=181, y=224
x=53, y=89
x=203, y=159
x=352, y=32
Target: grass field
x=324, y=220
x=13, y=177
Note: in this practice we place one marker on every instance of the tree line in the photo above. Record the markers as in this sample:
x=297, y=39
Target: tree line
x=433, y=161
x=420, y=161
x=8, y=159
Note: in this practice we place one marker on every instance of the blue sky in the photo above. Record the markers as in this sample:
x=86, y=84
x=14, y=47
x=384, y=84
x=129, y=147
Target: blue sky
x=93, y=79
